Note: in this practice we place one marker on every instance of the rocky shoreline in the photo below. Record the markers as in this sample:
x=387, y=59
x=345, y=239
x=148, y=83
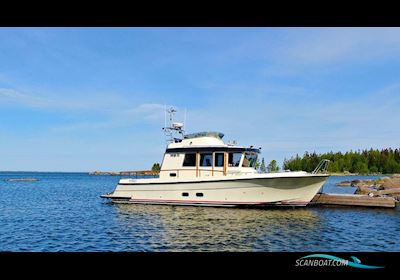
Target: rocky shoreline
x=384, y=186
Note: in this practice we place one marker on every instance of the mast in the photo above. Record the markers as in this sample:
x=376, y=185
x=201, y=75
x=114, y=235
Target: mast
x=184, y=119
x=174, y=132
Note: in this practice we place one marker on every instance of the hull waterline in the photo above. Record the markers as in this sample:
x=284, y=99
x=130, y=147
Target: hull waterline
x=227, y=192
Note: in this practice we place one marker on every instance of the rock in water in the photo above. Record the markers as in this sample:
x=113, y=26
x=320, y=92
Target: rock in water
x=390, y=183
x=365, y=190
x=344, y=184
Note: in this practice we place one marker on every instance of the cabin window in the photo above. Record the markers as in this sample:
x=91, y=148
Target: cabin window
x=234, y=159
x=199, y=194
x=249, y=160
x=206, y=159
x=219, y=159
x=190, y=160
x=185, y=194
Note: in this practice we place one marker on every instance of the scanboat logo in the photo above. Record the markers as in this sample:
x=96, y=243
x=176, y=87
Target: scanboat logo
x=329, y=260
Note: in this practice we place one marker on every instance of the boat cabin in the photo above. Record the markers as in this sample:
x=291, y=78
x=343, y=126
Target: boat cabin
x=205, y=154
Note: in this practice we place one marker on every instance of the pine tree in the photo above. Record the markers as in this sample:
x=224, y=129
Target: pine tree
x=273, y=166
x=156, y=167
x=262, y=167
x=385, y=161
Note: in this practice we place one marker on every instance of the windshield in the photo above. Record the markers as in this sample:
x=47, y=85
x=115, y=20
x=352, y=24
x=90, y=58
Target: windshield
x=234, y=159
x=249, y=160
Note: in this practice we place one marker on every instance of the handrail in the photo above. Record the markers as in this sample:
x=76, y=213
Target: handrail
x=190, y=169
x=200, y=171
x=322, y=166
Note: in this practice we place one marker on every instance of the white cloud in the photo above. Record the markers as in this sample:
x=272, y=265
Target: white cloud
x=152, y=113
x=61, y=101
x=331, y=45
x=14, y=96
x=286, y=52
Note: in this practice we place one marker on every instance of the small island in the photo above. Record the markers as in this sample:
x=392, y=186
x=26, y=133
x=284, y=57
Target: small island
x=22, y=180
x=155, y=170
x=126, y=173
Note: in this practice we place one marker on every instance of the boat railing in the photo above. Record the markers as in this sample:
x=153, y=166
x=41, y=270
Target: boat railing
x=202, y=171
x=322, y=166
x=178, y=171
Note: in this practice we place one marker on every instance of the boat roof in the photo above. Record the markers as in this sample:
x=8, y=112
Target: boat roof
x=211, y=149
x=215, y=134
x=205, y=142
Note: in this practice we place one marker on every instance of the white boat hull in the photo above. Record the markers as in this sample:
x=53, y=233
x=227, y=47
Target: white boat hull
x=229, y=192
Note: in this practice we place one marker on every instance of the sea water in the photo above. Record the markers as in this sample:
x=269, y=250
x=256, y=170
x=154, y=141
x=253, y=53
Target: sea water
x=64, y=212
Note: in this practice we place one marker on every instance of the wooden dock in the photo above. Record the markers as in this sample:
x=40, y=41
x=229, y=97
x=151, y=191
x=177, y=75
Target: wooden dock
x=353, y=200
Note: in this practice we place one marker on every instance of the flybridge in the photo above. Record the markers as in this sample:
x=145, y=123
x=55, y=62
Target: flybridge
x=218, y=135
x=175, y=135
x=212, y=148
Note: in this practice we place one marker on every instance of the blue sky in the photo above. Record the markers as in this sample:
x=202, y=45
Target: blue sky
x=84, y=99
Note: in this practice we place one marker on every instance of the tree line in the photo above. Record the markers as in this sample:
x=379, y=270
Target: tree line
x=385, y=161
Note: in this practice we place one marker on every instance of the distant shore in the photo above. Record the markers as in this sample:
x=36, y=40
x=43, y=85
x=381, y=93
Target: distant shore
x=126, y=173
x=155, y=173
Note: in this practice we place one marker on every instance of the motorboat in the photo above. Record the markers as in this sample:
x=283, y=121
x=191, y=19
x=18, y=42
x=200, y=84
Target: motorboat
x=201, y=169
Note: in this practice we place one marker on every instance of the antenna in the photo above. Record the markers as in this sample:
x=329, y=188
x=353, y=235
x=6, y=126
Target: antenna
x=174, y=129
x=184, y=121
x=165, y=115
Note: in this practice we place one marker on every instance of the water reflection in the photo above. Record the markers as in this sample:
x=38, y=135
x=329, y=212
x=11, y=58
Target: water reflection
x=181, y=228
